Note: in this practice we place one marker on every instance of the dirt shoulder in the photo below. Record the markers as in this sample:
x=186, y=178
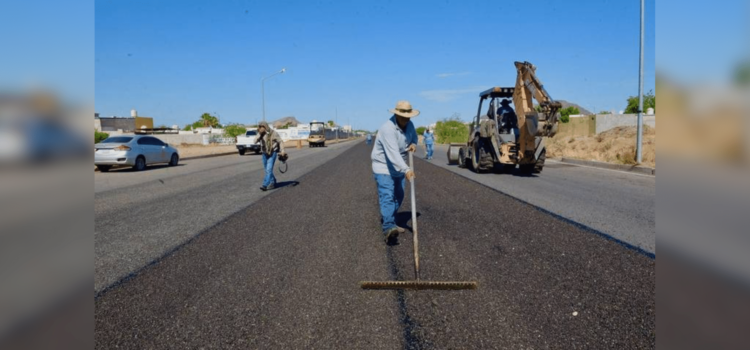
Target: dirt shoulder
x=615, y=146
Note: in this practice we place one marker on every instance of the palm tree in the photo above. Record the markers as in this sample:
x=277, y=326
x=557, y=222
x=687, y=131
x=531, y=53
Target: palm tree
x=209, y=120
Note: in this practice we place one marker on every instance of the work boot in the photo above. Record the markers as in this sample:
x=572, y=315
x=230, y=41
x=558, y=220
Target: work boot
x=263, y=188
x=391, y=233
x=400, y=229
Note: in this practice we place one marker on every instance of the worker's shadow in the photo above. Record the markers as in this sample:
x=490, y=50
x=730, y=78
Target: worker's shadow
x=286, y=183
x=518, y=173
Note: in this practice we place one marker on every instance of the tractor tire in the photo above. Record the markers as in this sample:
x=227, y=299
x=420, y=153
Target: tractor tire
x=474, y=153
x=473, y=164
x=540, y=162
x=526, y=169
x=461, y=158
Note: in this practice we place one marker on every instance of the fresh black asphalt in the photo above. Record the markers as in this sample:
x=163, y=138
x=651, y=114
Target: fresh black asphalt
x=284, y=272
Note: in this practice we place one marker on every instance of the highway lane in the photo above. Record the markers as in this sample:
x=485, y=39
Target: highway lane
x=283, y=273
x=618, y=204
x=140, y=216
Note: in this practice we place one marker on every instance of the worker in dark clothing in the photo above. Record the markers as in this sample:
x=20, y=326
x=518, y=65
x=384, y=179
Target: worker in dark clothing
x=507, y=116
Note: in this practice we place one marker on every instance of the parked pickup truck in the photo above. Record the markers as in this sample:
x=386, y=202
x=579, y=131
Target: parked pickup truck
x=247, y=142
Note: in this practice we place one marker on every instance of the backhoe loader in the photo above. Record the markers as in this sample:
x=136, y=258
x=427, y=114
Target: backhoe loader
x=500, y=142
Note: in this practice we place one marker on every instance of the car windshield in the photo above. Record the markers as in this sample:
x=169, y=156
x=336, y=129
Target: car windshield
x=117, y=139
x=251, y=133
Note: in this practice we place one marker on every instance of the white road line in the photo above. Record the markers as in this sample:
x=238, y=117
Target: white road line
x=605, y=169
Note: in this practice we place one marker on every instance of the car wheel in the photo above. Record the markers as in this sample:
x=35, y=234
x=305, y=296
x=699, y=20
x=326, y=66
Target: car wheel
x=140, y=163
x=257, y=151
x=174, y=160
x=104, y=168
x=242, y=152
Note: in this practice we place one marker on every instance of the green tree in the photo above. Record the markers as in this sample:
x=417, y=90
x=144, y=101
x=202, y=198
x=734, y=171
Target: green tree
x=451, y=130
x=566, y=112
x=604, y=112
x=100, y=136
x=207, y=120
x=649, y=101
x=420, y=130
x=195, y=125
x=234, y=130
x=331, y=123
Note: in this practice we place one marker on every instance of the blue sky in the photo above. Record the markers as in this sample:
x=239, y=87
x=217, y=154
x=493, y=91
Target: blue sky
x=174, y=60
x=702, y=44
x=48, y=45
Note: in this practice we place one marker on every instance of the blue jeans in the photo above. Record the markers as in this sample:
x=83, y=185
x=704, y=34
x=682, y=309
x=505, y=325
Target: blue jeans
x=390, y=195
x=429, y=150
x=268, y=162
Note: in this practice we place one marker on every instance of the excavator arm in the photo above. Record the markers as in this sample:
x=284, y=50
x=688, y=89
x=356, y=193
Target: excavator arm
x=530, y=122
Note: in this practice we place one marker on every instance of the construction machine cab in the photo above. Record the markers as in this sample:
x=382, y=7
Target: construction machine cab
x=317, y=136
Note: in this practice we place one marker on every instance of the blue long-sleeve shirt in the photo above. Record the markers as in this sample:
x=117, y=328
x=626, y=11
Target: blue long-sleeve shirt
x=391, y=148
x=429, y=138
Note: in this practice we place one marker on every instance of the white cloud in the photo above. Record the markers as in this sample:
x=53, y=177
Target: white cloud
x=445, y=75
x=449, y=95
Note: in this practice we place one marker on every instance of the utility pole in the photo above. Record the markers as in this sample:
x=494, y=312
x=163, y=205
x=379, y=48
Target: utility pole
x=337, y=124
x=639, y=141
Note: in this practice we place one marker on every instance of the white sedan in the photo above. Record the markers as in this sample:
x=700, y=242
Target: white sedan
x=133, y=150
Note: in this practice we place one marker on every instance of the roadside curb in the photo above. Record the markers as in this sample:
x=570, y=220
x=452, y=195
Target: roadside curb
x=196, y=157
x=210, y=155
x=621, y=167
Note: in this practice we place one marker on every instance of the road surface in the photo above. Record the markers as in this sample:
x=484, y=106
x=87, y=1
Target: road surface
x=283, y=272
x=616, y=204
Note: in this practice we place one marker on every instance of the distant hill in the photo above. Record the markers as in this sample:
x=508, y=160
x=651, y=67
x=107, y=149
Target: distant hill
x=566, y=104
x=283, y=121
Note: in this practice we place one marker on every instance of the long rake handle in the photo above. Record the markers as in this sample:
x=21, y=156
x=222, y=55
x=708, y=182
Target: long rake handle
x=414, y=219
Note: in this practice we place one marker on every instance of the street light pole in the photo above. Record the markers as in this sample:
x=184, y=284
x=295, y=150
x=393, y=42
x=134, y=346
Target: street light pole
x=263, y=90
x=639, y=141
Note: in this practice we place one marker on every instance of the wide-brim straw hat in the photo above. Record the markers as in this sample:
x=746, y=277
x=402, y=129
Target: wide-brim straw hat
x=403, y=108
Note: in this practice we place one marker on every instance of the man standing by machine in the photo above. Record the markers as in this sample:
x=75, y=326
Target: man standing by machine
x=389, y=166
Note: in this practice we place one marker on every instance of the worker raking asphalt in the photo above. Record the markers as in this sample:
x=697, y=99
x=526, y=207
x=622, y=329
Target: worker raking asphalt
x=284, y=274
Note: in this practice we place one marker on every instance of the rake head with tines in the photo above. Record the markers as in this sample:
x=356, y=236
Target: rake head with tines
x=417, y=284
